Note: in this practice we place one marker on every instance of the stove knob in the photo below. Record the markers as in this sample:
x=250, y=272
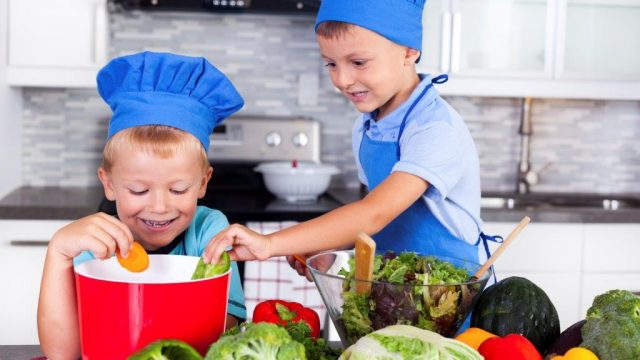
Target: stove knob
x=300, y=139
x=273, y=139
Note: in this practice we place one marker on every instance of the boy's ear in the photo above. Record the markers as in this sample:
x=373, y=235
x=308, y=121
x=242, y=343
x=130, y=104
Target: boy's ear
x=205, y=180
x=107, y=184
x=411, y=56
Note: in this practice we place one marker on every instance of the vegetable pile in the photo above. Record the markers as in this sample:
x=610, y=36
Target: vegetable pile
x=399, y=295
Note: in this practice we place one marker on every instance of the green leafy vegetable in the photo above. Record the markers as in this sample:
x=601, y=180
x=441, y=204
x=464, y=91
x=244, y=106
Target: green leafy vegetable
x=256, y=341
x=408, y=342
x=168, y=349
x=204, y=271
x=612, y=329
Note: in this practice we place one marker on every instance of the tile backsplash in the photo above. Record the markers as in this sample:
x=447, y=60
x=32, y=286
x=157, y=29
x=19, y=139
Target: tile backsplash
x=578, y=145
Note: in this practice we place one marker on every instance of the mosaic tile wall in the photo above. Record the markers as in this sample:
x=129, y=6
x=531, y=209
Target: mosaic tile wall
x=581, y=146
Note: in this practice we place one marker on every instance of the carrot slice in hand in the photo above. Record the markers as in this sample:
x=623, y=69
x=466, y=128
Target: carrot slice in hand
x=138, y=259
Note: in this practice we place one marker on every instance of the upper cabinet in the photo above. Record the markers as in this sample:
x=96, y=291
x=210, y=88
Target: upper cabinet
x=56, y=43
x=539, y=48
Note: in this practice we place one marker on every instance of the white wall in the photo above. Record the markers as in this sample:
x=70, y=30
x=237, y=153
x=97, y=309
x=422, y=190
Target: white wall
x=10, y=117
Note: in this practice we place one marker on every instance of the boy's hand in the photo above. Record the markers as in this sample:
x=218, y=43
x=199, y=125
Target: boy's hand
x=99, y=233
x=246, y=245
x=299, y=267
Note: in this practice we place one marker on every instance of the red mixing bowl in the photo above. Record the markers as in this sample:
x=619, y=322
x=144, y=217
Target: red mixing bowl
x=120, y=312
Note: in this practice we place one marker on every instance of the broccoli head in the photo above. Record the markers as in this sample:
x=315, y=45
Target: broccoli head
x=260, y=341
x=612, y=329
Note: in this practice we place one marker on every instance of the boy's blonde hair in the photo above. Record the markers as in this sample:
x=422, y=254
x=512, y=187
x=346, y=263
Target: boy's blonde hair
x=159, y=140
x=333, y=29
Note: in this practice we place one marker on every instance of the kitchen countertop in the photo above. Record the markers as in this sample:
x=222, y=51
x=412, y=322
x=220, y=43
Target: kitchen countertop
x=20, y=352
x=67, y=203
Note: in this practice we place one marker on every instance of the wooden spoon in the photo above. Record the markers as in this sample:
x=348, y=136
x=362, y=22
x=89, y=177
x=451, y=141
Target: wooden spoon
x=365, y=253
x=525, y=220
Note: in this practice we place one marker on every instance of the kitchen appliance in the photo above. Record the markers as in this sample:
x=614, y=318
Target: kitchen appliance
x=120, y=312
x=234, y=6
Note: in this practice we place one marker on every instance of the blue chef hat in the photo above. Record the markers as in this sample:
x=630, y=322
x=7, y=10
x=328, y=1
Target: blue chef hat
x=187, y=93
x=398, y=20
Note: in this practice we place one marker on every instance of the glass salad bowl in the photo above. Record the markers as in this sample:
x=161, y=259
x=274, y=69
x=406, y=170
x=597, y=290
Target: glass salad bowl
x=407, y=289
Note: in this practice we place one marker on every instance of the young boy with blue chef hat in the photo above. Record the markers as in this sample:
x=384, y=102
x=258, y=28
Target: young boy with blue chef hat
x=155, y=168
x=413, y=151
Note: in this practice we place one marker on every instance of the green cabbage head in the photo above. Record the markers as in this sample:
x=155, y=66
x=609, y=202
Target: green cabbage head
x=408, y=342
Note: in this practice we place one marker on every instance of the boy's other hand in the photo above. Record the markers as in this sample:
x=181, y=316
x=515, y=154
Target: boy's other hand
x=99, y=233
x=299, y=267
x=245, y=245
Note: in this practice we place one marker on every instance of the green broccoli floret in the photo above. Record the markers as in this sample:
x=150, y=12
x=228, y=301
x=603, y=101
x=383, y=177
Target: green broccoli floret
x=612, y=329
x=261, y=341
x=316, y=349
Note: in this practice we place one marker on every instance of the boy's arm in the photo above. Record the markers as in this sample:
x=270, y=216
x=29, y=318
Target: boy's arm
x=332, y=230
x=58, y=327
x=57, y=315
x=339, y=227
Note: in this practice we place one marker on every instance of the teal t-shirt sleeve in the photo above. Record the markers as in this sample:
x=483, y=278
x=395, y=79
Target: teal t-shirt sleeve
x=208, y=223
x=83, y=257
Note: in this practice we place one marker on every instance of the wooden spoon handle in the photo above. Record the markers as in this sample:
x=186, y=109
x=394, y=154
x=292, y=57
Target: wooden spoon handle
x=525, y=220
x=365, y=254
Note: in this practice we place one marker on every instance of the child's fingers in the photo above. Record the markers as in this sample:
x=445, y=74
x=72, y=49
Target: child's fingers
x=101, y=244
x=119, y=232
x=216, y=246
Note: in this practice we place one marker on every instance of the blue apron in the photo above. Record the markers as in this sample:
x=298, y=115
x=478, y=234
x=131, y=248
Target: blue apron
x=416, y=229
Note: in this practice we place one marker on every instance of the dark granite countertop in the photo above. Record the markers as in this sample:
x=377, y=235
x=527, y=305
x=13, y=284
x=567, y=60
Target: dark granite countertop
x=67, y=203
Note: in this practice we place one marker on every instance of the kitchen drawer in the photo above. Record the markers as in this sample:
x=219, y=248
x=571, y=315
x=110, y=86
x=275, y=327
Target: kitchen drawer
x=612, y=247
x=539, y=248
x=23, y=246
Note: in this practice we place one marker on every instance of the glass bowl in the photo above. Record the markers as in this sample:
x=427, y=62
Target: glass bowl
x=441, y=308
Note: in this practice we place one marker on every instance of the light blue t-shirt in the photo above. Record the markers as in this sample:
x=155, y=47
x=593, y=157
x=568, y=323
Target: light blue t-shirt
x=436, y=146
x=205, y=225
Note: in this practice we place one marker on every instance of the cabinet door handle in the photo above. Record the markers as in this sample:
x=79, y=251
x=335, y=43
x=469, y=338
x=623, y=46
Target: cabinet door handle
x=29, y=243
x=445, y=56
x=456, y=39
x=100, y=32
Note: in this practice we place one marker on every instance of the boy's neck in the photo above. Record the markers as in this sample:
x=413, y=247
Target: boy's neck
x=413, y=80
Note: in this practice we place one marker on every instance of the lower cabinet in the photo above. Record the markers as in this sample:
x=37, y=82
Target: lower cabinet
x=571, y=262
x=23, y=246
x=548, y=254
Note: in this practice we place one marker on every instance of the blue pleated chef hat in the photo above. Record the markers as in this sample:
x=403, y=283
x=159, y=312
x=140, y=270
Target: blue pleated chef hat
x=187, y=93
x=398, y=20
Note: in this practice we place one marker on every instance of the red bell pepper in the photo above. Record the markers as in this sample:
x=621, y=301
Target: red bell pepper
x=283, y=312
x=512, y=347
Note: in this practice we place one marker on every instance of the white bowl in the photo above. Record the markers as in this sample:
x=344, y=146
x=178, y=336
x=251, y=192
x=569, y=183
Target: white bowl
x=304, y=181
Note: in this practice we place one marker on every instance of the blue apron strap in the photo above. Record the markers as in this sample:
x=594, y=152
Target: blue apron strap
x=485, y=242
x=440, y=79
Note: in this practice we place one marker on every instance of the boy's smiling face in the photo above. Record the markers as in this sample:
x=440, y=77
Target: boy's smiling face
x=156, y=197
x=370, y=70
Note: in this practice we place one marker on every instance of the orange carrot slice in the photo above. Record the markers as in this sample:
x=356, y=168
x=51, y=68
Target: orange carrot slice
x=137, y=261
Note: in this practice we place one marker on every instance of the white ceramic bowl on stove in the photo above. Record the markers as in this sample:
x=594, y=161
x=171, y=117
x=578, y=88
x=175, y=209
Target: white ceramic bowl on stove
x=296, y=182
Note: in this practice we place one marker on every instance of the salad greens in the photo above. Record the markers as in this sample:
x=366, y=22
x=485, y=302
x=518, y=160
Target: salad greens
x=399, y=295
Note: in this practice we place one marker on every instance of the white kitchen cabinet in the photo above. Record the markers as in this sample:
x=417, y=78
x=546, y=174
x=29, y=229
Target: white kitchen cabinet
x=583, y=49
x=599, y=39
x=23, y=245
x=548, y=254
x=56, y=43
